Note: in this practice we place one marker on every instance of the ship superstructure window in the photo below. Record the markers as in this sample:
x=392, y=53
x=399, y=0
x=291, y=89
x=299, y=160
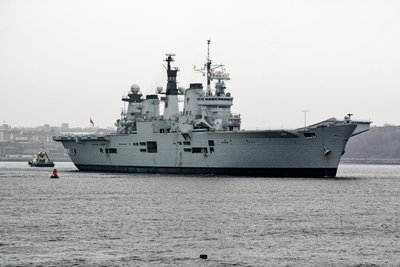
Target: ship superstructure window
x=186, y=143
x=310, y=135
x=210, y=142
x=142, y=150
x=186, y=149
x=199, y=150
x=111, y=151
x=142, y=143
x=152, y=147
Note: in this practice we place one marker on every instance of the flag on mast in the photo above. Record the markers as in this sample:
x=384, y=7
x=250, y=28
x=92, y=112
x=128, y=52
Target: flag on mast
x=91, y=122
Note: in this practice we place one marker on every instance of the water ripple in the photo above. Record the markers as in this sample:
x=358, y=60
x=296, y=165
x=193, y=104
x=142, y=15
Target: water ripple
x=108, y=219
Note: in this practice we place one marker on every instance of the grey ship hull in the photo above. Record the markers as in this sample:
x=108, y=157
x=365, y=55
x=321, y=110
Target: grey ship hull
x=256, y=172
x=314, y=152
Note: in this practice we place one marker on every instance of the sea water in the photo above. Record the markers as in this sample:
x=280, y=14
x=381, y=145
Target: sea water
x=114, y=219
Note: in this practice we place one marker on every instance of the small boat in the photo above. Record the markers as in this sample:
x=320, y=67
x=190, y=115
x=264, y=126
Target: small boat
x=41, y=160
x=55, y=174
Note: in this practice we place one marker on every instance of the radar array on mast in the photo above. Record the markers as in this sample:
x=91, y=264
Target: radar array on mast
x=209, y=71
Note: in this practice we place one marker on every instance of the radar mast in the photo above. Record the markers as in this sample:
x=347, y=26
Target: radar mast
x=171, y=74
x=208, y=69
x=171, y=108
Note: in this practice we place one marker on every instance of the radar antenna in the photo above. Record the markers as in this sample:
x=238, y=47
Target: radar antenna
x=208, y=69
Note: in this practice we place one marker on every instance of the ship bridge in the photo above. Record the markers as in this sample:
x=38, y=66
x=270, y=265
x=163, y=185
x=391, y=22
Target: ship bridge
x=215, y=101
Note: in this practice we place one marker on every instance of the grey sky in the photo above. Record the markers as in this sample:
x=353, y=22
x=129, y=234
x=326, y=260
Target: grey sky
x=67, y=61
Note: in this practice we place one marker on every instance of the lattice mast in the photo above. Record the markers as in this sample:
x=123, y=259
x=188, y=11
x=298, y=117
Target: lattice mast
x=208, y=69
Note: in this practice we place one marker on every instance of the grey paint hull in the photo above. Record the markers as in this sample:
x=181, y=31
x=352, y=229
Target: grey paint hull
x=256, y=172
x=245, y=153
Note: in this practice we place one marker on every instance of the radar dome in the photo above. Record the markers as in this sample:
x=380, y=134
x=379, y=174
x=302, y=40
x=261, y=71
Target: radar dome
x=159, y=89
x=181, y=90
x=135, y=88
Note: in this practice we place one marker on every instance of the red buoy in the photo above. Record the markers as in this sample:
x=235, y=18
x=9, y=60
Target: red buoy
x=54, y=175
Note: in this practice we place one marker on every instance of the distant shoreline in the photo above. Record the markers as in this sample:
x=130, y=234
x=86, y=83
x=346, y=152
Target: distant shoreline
x=371, y=161
x=26, y=160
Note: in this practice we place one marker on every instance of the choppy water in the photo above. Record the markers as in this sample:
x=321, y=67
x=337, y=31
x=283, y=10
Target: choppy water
x=105, y=219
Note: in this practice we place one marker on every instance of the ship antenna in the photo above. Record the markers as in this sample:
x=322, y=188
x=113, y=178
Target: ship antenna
x=208, y=69
x=305, y=118
x=208, y=66
x=208, y=49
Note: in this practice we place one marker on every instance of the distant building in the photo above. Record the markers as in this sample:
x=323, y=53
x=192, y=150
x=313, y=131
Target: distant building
x=64, y=126
x=5, y=127
x=23, y=138
x=5, y=133
x=5, y=136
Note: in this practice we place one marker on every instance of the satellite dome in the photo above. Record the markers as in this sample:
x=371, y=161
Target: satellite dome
x=181, y=90
x=135, y=88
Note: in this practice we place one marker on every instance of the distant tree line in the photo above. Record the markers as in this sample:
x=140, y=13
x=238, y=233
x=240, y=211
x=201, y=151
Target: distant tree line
x=378, y=143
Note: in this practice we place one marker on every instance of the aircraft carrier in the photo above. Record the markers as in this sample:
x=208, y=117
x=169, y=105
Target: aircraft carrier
x=205, y=137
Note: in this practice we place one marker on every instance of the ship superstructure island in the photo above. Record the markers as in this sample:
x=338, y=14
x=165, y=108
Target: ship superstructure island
x=206, y=138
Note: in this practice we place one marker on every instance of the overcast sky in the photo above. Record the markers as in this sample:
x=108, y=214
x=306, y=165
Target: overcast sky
x=69, y=60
